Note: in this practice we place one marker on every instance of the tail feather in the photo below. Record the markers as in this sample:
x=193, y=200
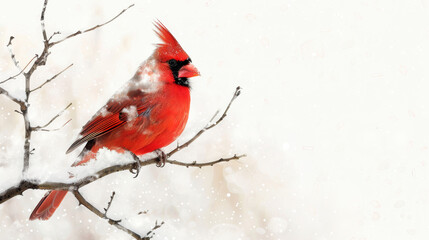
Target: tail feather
x=47, y=206
x=50, y=202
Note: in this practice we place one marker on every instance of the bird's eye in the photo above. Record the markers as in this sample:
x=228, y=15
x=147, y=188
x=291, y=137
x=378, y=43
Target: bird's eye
x=172, y=63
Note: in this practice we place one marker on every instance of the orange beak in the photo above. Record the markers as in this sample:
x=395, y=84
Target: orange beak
x=188, y=71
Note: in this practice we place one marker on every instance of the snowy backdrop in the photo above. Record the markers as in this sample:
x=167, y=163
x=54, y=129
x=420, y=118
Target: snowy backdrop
x=333, y=118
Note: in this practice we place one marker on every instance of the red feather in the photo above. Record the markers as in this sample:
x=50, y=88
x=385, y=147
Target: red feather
x=170, y=48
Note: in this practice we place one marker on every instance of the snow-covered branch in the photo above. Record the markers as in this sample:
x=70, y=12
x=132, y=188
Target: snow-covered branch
x=26, y=184
x=74, y=187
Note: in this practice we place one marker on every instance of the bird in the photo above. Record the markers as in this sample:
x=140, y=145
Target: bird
x=149, y=112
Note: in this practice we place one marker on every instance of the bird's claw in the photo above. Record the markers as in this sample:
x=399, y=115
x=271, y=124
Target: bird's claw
x=161, y=158
x=136, y=167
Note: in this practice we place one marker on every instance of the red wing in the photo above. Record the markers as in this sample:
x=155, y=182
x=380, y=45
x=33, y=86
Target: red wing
x=107, y=119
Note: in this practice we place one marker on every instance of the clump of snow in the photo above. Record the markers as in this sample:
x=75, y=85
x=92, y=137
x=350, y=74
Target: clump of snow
x=104, y=158
x=131, y=112
x=104, y=112
x=146, y=79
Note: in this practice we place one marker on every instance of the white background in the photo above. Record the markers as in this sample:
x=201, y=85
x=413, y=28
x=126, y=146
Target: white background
x=333, y=118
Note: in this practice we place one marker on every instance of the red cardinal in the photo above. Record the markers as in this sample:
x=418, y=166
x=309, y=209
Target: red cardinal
x=148, y=113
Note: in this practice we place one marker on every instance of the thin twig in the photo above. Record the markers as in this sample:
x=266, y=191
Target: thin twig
x=214, y=115
x=38, y=128
x=108, y=204
x=90, y=29
x=20, y=72
x=53, y=34
x=55, y=129
x=151, y=233
x=52, y=78
x=200, y=165
x=236, y=94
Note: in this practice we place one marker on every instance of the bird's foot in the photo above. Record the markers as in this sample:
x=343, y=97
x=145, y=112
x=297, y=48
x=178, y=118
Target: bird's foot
x=136, y=167
x=161, y=158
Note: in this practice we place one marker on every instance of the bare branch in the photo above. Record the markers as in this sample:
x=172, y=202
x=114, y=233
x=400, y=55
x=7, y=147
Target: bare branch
x=200, y=165
x=151, y=233
x=214, y=115
x=53, y=34
x=20, y=72
x=55, y=129
x=90, y=29
x=52, y=78
x=97, y=212
x=50, y=121
x=236, y=94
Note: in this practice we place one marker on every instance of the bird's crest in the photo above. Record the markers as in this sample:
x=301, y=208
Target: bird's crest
x=169, y=48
